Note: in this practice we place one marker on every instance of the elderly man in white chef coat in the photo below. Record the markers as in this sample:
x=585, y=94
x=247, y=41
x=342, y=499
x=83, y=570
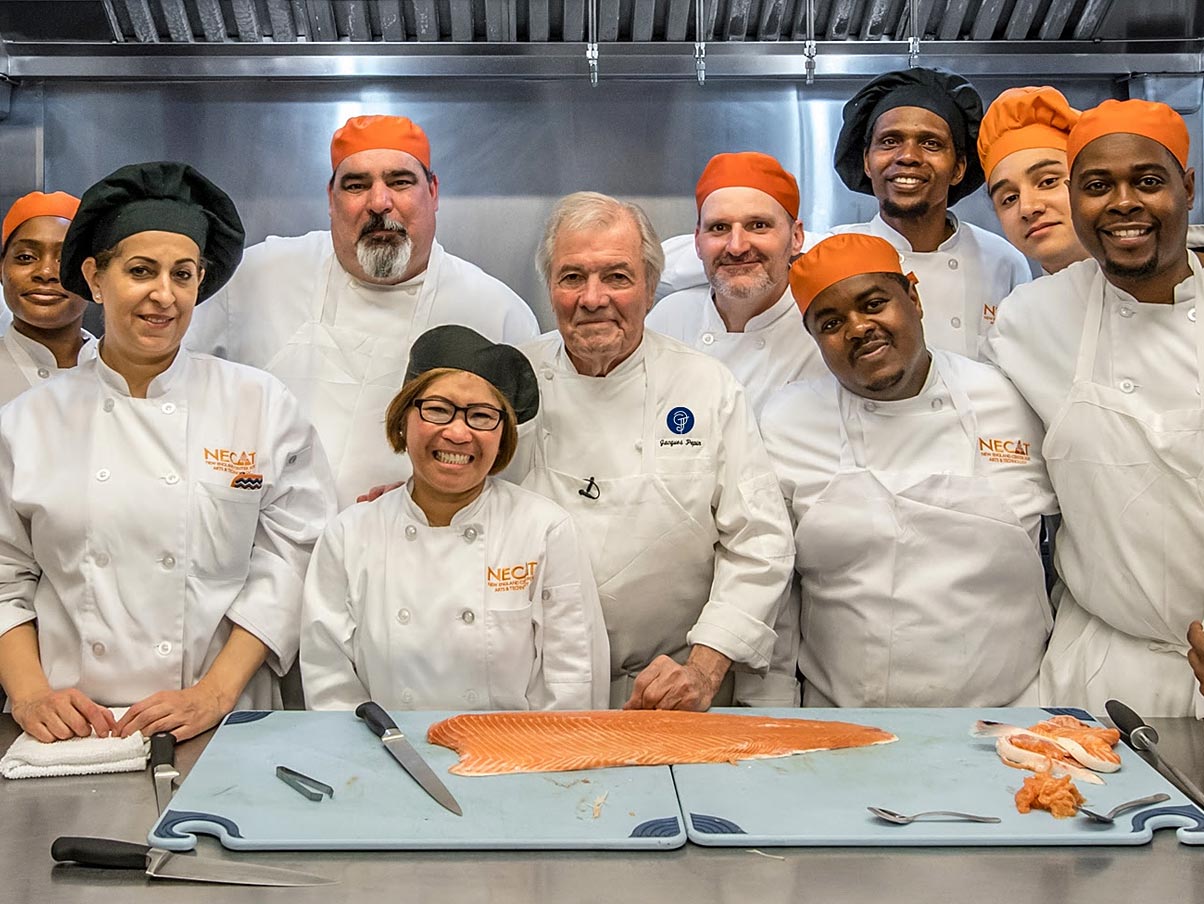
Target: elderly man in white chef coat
x=908, y=139
x=1110, y=355
x=915, y=480
x=748, y=231
x=333, y=313
x=653, y=449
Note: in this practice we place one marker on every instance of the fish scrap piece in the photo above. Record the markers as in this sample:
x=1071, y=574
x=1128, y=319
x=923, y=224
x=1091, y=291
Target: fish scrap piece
x=1093, y=747
x=504, y=742
x=1061, y=748
x=1044, y=792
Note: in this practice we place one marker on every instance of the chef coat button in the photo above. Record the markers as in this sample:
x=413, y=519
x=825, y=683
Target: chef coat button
x=956, y=321
x=101, y=559
x=407, y=697
x=403, y=616
x=108, y=405
x=43, y=373
x=172, y=479
x=639, y=445
x=953, y=264
x=546, y=595
x=1127, y=385
x=411, y=532
x=470, y=534
x=708, y=338
x=469, y=616
x=936, y=404
x=169, y=561
x=760, y=343
x=471, y=696
x=163, y=648
x=98, y=649
x=870, y=406
x=103, y=474
x=1126, y=311
x=291, y=460
x=169, y=407
x=1191, y=315
x=546, y=373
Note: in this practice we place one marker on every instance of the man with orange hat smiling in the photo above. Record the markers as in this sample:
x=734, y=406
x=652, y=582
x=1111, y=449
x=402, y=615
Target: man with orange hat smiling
x=1022, y=147
x=748, y=231
x=333, y=313
x=916, y=485
x=1110, y=355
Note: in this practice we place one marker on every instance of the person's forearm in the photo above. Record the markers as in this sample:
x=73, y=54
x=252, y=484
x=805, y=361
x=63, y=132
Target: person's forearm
x=20, y=665
x=239, y=659
x=710, y=663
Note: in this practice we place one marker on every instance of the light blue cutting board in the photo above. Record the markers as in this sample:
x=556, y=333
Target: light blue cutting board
x=232, y=792
x=821, y=798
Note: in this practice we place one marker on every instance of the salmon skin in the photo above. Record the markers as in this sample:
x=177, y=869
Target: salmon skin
x=503, y=742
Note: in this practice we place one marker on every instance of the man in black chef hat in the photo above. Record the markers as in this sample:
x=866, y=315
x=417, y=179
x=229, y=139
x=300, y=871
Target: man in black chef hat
x=909, y=140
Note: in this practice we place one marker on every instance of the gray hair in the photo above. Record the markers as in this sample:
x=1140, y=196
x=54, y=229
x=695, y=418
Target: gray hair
x=591, y=210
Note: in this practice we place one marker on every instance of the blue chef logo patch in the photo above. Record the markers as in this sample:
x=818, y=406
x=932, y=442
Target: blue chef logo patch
x=680, y=420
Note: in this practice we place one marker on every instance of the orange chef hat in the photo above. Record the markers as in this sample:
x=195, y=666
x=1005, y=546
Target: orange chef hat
x=365, y=133
x=1147, y=118
x=839, y=257
x=1023, y=118
x=749, y=169
x=37, y=204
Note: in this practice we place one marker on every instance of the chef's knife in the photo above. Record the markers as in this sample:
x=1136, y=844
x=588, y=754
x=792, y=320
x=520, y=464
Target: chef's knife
x=163, y=766
x=403, y=751
x=1143, y=737
x=109, y=853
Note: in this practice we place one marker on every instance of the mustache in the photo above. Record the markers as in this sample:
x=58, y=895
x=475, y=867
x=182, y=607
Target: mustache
x=749, y=257
x=378, y=222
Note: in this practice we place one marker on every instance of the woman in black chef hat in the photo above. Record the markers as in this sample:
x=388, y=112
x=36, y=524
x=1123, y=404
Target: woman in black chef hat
x=164, y=504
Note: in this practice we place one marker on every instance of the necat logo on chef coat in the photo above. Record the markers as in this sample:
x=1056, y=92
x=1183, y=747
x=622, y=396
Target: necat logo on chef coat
x=1004, y=451
x=230, y=462
x=988, y=312
x=511, y=577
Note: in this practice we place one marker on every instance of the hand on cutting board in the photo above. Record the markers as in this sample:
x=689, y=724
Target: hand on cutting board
x=58, y=715
x=184, y=713
x=376, y=492
x=1195, y=656
x=665, y=684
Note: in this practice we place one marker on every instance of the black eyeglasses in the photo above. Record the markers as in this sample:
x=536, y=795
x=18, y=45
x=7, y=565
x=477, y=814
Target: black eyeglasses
x=441, y=411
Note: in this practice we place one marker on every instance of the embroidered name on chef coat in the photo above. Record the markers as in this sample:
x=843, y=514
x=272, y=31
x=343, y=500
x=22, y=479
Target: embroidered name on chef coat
x=511, y=577
x=228, y=461
x=1004, y=451
x=247, y=481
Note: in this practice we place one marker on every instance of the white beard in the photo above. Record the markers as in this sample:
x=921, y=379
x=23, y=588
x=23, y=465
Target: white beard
x=384, y=260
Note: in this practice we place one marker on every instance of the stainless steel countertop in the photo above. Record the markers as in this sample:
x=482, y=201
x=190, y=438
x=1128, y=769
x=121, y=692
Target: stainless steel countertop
x=34, y=812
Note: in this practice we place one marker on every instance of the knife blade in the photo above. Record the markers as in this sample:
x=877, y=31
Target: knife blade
x=1141, y=736
x=163, y=766
x=403, y=751
x=110, y=853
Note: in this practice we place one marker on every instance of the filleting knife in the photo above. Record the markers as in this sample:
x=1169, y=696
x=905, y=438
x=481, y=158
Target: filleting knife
x=109, y=853
x=163, y=766
x=403, y=751
x=1143, y=737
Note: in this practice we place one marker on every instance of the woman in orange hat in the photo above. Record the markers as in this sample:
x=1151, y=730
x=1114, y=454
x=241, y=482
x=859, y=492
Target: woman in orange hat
x=46, y=334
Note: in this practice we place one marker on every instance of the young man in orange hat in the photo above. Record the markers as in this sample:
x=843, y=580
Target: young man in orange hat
x=1110, y=354
x=916, y=485
x=333, y=313
x=747, y=234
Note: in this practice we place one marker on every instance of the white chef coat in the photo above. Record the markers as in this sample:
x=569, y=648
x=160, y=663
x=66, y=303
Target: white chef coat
x=341, y=346
x=687, y=534
x=683, y=269
x=141, y=530
x=774, y=349
x=498, y=610
x=25, y=362
x=921, y=585
x=1117, y=384
x=960, y=284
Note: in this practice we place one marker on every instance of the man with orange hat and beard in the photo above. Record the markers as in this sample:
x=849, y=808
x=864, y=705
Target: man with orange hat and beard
x=748, y=232
x=1110, y=355
x=333, y=313
x=916, y=485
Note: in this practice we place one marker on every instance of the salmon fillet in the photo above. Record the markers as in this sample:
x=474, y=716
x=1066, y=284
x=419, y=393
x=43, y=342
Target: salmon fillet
x=503, y=742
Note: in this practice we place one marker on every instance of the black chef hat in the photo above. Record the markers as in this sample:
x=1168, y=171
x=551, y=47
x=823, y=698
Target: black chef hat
x=944, y=93
x=460, y=348
x=171, y=197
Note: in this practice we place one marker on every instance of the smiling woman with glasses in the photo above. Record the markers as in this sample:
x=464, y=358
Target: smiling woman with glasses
x=457, y=590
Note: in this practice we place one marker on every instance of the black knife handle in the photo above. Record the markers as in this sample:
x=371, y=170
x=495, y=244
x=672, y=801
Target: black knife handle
x=378, y=720
x=162, y=749
x=108, y=853
x=1128, y=721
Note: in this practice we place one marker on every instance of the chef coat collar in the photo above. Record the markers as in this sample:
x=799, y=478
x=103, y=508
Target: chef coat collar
x=633, y=363
x=37, y=352
x=925, y=401
x=175, y=376
x=884, y=230
x=1185, y=291
x=470, y=514
x=782, y=307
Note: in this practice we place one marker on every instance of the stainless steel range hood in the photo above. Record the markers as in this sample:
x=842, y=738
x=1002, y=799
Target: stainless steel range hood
x=205, y=39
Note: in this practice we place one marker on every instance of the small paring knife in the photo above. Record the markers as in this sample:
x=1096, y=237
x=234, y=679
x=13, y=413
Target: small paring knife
x=109, y=853
x=403, y=751
x=163, y=766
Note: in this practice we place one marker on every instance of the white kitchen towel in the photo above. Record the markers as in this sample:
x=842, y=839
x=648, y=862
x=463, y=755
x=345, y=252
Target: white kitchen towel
x=31, y=758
